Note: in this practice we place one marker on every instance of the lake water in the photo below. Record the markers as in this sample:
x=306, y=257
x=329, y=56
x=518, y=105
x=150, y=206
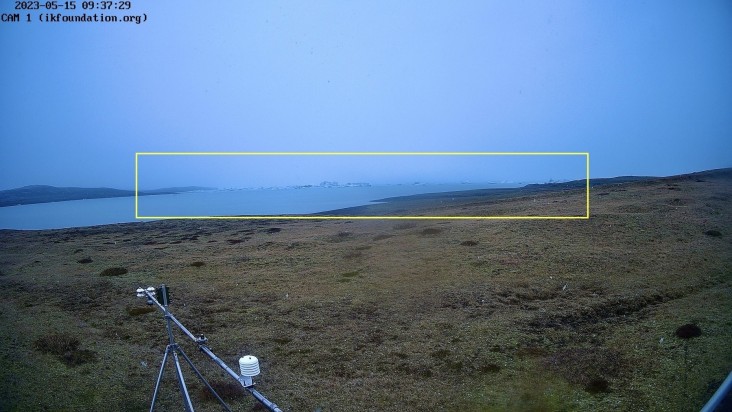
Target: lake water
x=286, y=201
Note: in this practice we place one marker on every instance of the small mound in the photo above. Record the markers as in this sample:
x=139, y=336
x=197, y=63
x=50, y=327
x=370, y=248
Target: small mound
x=440, y=353
x=341, y=237
x=489, y=368
x=598, y=385
x=56, y=343
x=84, y=261
x=282, y=340
x=468, y=243
x=65, y=348
x=140, y=310
x=688, y=331
x=228, y=390
x=588, y=367
x=197, y=264
x=113, y=272
x=353, y=255
x=713, y=233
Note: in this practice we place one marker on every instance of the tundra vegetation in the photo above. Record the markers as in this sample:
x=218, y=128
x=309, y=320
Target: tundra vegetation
x=629, y=310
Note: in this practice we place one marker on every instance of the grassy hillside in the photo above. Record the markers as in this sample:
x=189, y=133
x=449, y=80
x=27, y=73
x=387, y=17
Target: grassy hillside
x=389, y=315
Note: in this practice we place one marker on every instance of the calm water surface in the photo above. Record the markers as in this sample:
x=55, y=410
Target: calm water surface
x=91, y=212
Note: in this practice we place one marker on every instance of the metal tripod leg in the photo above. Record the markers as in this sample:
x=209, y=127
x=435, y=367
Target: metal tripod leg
x=200, y=376
x=160, y=378
x=174, y=349
x=182, y=383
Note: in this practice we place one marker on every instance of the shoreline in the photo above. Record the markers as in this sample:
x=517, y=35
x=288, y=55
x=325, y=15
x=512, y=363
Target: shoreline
x=421, y=204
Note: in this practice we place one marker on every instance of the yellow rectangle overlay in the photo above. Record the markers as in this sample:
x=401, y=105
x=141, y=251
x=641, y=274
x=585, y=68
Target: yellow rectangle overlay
x=325, y=217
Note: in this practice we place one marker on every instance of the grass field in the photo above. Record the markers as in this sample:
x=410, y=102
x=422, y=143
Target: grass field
x=388, y=315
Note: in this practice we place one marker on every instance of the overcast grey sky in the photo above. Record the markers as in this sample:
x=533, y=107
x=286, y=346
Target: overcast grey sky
x=644, y=86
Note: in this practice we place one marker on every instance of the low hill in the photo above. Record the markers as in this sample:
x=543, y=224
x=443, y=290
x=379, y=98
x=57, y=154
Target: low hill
x=44, y=194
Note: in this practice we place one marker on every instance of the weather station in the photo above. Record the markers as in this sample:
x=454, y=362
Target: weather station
x=248, y=365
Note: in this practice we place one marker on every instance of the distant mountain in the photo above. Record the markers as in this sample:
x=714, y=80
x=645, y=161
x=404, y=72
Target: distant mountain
x=502, y=193
x=573, y=184
x=44, y=194
x=601, y=181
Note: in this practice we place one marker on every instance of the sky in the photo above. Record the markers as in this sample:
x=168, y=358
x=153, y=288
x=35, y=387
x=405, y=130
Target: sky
x=644, y=86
